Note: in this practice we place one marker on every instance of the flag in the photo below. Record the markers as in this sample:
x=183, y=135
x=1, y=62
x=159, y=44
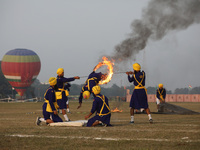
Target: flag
x=190, y=86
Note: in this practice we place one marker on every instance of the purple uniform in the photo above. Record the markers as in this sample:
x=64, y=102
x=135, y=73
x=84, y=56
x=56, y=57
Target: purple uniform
x=92, y=80
x=102, y=109
x=60, y=83
x=161, y=93
x=50, y=105
x=139, y=96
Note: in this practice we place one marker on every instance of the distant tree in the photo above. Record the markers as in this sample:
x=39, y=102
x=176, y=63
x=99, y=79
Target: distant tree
x=131, y=87
x=168, y=92
x=151, y=90
x=75, y=89
x=181, y=91
x=36, y=83
x=30, y=92
x=116, y=90
x=39, y=89
x=195, y=90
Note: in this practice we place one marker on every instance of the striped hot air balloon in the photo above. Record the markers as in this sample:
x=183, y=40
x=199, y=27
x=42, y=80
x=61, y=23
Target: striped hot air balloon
x=20, y=67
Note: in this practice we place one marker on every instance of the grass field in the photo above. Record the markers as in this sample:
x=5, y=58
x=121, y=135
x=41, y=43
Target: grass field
x=176, y=132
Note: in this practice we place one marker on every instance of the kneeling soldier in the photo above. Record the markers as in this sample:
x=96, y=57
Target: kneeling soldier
x=101, y=106
x=50, y=105
x=160, y=97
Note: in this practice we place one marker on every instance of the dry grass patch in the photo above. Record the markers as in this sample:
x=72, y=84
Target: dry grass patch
x=18, y=129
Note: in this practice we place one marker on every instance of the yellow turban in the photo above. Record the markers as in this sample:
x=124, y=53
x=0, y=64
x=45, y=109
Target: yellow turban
x=60, y=71
x=136, y=67
x=52, y=81
x=96, y=89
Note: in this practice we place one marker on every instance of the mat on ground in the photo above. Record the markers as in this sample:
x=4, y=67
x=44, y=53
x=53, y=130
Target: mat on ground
x=77, y=123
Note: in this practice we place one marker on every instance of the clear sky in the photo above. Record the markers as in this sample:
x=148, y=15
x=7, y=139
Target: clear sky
x=74, y=34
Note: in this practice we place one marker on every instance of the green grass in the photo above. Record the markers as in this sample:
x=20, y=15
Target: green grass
x=168, y=131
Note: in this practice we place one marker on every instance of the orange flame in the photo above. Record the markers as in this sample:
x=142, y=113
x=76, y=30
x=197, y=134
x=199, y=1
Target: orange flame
x=116, y=110
x=110, y=69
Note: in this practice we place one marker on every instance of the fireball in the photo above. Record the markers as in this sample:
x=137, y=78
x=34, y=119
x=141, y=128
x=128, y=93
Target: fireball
x=109, y=65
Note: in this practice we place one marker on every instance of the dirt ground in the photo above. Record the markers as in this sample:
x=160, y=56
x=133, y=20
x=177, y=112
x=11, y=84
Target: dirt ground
x=18, y=129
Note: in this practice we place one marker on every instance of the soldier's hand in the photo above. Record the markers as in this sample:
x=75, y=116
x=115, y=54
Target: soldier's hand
x=76, y=77
x=86, y=117
x=55, y=112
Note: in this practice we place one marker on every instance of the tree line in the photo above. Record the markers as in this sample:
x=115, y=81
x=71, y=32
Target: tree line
x=38, y=89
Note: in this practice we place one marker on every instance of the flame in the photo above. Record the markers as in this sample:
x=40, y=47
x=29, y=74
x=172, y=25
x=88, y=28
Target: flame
x=110, y=69
x=116, y=110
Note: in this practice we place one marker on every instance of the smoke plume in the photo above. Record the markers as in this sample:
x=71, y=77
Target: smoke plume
x=158, y=19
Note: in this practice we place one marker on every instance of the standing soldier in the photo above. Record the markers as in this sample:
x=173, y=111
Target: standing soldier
x=92, y=80
x=62, y=92
x=160, y=97
x=50, y=105
x=139, y=96
x=101, y=107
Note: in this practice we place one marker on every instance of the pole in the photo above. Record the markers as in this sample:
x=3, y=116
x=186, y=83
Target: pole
x=119, y=72
x=83, y=76
x=113, y=73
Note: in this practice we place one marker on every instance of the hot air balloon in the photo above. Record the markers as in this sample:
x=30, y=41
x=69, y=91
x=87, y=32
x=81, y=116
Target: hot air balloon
x=20, y=67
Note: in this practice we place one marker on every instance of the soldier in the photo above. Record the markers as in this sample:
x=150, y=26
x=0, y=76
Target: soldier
x=160, y=97
x=139, y=96
x=92, y=80
x=62, y=92
x=50, y=105
x=101, y=107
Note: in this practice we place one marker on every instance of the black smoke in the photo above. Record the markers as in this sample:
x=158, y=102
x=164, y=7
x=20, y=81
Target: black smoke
x=158, y=19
